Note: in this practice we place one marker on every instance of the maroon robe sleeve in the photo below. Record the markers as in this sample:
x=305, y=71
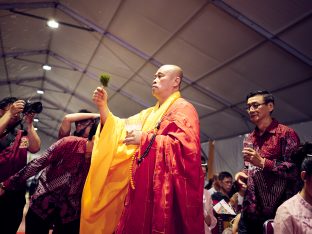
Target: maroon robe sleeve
x=178, y=178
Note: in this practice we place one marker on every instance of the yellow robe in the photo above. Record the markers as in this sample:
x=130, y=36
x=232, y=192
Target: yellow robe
x=108, y=177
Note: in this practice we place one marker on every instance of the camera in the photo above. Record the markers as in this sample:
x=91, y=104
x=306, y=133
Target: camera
x=35, y=107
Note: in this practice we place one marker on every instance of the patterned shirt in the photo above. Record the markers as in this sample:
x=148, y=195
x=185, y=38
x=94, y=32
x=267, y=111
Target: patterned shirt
x=294, y=216
x=65, y=169
x=13, y=153
x=277, y=181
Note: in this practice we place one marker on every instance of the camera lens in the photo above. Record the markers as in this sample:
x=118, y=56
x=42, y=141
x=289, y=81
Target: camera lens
x=35, y=107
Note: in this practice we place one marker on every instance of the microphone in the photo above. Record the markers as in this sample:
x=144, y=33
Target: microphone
x=104, y=78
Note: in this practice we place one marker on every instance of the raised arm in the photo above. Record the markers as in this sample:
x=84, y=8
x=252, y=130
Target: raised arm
x=32, y=168
x=33, y=138
x=100, y=99
x=13, y=110
x=65, y=127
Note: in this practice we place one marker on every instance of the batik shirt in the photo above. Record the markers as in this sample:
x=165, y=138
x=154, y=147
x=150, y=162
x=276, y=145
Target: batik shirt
x=13, y=153
x=60, y=185
x=277, y=181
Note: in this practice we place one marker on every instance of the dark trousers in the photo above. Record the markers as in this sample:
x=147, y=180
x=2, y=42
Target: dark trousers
x=11, y=211
x=36, y=225
x=252, y=226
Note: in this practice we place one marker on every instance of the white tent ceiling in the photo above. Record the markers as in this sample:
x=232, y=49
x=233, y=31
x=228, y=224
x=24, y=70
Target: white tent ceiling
x=226, y=49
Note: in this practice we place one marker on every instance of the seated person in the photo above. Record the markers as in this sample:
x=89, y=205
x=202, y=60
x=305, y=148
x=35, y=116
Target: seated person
x=295, y=214
x=236, y=201
x=213, y=185
x=210, y=219
x=225, y=180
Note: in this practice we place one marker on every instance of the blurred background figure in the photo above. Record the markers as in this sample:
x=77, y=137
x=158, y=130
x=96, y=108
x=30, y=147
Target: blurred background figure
x=225, y=180
x=210, y=219
x=15, y=142
x=236, y=201
x=295, y=214
x=213, y=185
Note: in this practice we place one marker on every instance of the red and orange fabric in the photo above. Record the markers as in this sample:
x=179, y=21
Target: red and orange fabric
x=168, y=194
x=177, y=182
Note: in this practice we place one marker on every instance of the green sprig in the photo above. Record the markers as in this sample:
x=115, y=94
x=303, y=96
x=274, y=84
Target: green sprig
x=104, y=78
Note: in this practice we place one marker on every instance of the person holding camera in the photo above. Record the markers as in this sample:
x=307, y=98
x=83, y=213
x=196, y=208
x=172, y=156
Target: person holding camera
x=82, y=119
x=56, y=202
x=14, y=144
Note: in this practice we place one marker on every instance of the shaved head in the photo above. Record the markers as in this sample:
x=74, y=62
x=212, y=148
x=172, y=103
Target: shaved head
x=167, y=81
x=174, y=69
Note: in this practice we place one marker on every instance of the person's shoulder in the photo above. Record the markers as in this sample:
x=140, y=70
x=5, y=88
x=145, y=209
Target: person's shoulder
x=183, y=102
x=289, y=204
x=284, y=127
x=184, y=106
x=72, y=140
x=217, y=195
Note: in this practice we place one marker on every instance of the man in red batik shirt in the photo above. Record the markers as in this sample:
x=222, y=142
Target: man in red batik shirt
x=272, y=175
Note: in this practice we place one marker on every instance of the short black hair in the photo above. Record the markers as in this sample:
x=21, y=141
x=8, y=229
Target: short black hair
x=301, y=154
x=7, y=101
x=84, y=120
x=93, y=128
x=307, y=165
x=304, y=154
x=84, y=111
x=224, y=174
x=267, y=96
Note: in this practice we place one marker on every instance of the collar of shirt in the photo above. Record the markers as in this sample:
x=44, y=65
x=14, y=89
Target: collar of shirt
x=272, y=128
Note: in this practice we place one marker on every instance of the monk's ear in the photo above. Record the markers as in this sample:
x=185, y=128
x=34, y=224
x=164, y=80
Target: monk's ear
x=177, y=81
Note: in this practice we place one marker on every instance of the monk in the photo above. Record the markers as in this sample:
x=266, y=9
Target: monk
x=146, y=180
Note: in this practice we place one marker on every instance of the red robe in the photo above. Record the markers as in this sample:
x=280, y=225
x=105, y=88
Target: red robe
x=169, y=182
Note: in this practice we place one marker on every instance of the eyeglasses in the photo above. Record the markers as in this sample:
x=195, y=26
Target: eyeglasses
x=254, y=106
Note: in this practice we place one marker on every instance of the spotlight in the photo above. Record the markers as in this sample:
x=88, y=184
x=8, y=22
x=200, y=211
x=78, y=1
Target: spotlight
x=46, y=67
x=40, y=91
x=53, y=24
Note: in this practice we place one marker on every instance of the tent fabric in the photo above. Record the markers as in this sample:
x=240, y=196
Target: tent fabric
x=226, y=49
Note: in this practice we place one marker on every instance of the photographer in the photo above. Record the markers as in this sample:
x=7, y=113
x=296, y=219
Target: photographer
x=14, y=144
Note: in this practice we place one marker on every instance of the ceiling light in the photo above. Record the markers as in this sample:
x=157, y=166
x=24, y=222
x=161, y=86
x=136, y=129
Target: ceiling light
x=36, y=120
x=36, y=129
x=53, y=24
x=40, y=91
x=46, y=67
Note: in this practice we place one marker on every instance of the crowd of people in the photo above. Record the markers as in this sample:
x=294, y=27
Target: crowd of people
x=108, y=178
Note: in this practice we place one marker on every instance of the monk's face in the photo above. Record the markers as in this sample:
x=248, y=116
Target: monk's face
x=166, y=82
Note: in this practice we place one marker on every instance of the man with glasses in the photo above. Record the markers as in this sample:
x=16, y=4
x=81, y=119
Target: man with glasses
x=226, y=182
x=272, y=175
